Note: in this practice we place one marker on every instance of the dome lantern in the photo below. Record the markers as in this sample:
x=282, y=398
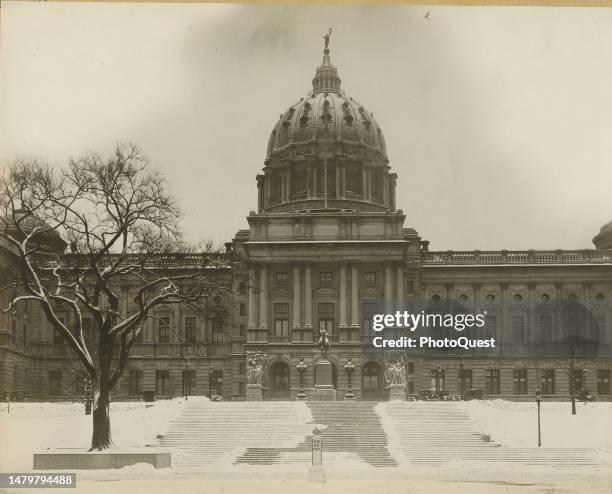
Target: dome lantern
x=326, y=80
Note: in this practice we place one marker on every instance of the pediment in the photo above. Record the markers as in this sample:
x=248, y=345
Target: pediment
x=280, y=293
x=372, y=293
x=326, y=293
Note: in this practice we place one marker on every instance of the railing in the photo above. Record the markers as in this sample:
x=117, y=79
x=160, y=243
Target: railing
x=212, y=260
x=170, y=350
x=585, y=256
x=279, y=339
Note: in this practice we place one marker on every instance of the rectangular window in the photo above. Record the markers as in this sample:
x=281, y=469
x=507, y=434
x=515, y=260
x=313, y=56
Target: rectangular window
x=281, y=309
x=465, y=380
x=545, y=328
x=518, y=328
x=326, y=317
x=281, y=278
x=55, y=383
x=367, y=327
x=437, y=380
x=281, y=327
x=411, y=387
x=328, y=325
x=242, y=288
x=243, y=310
x=135, y=383
x=547, y=383
x=578, y=380
x=368, y=310
x=281, y=319
x=191, y=329
x=603, y=381
x=492, y=382
x=326, y=308
x=162, y=382
x=519, y=379
x=163, y=329
x=241, y=369
x=189, y=382
x=410, y=368
x=217, y=329
x=370, y=278
x=573, y=324
x=242, y=388
x=326, y=279
x=491, y=326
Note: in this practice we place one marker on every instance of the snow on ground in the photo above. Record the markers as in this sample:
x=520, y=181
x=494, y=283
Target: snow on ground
x=515, y=423
x=35, y=427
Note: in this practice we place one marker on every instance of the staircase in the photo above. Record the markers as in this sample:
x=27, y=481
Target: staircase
x=434, y=434
x=209, y=432
x=411, y=434
x=347, y=427
x=275, y=432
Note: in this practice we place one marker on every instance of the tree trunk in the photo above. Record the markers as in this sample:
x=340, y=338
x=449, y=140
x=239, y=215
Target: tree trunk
x=101, y=435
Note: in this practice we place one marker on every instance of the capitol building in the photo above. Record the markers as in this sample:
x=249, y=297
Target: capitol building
x=327, y=247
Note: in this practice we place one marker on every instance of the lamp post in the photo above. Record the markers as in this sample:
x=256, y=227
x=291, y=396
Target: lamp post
x=538, y=400
x=187, y=378
x=349, y=367
x=210, y=381
x=301, y=367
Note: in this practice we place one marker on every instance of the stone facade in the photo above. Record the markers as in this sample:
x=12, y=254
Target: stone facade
x=327, y=248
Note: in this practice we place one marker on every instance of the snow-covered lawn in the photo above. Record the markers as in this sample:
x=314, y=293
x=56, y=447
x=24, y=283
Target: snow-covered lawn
x=34, y=427
x=515, y=423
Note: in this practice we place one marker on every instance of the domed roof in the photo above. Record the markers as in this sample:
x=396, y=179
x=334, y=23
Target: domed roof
x=47, y=241
x=326, y=114
x=603, y=240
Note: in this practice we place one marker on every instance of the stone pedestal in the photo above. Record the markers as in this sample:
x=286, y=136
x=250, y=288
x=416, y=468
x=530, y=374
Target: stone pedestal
x=316, y=473
x=397, y=392
x=324, y=388
x=254, y=392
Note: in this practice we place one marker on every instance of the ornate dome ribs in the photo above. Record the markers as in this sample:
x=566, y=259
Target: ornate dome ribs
x=326, y=151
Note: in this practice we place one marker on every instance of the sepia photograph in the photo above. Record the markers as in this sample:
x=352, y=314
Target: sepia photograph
x=269, y=248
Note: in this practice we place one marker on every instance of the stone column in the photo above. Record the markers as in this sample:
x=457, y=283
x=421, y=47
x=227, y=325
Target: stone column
x=288, y=185
x=364, y=183
x=502, y=331
x=354, y=296
x=399, y=291
x=307, y=297
x=252, y=319
x=388, y=288
x=531, y=315
x=309, y=181
x=263, y=298
x=296, y=298
x=385, y=180
x=343, y=299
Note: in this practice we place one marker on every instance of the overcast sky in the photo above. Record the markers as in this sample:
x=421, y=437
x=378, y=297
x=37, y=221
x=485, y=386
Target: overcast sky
x=498, y=121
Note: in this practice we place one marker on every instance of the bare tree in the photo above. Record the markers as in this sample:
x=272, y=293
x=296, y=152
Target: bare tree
x=121, y=223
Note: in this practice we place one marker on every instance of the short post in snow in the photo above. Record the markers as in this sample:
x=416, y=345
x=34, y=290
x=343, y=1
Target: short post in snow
x=538, y=400
x=317, y=472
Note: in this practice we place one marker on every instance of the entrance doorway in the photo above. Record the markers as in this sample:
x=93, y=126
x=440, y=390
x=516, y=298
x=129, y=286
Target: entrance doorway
x=371, y=381
x=215, y=383
x=279, y=381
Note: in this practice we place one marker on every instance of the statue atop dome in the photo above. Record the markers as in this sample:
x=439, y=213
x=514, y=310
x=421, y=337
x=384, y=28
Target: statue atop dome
x=326, y=37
